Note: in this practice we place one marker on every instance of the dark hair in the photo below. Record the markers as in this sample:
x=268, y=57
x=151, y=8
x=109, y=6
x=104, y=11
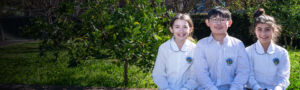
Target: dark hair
x=185, y=17
x=219, y=11
x=261, y=18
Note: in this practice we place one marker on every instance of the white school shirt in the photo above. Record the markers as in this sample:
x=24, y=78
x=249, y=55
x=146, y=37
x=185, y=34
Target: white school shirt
x=172, y=71
x=264, y=72
x=211, y=67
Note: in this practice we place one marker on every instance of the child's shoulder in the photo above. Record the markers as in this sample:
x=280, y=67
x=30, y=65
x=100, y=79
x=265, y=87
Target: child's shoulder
x=165, y=44
x=203, y=41
x=280, y=49
x=251, y=47
x=190, y=43
x=234, y=39
x=235, y=42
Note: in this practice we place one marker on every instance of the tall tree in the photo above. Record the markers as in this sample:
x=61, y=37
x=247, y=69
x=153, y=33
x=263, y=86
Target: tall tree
x=181, y=6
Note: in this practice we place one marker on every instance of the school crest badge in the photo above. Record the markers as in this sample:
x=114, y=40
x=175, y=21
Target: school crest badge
x=276, y=61
x=229, y=61
x=189, y=59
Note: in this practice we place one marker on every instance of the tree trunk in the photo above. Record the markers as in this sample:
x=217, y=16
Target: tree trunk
x=285, y=40
x=77, y=8
x=126, y=73
x=175, y=6
x=291, y=42
x=190, y=5
x=2, y=33
x=184, y=6
x=180, y=5
x=214, y=2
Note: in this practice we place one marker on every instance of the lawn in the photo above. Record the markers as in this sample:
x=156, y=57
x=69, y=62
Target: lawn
x=20, y=64
x=295, y=69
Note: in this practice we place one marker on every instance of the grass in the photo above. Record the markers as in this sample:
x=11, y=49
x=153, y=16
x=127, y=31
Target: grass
x=20, y=64
x=295, y=69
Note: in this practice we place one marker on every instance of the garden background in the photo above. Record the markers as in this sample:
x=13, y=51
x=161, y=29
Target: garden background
x=113, y=43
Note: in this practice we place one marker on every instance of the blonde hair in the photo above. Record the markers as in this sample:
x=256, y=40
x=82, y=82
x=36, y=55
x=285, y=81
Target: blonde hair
x=187, y=18
x=261, y=18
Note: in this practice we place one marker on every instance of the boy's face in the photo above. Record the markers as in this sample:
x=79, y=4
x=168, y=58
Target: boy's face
x=218, y=25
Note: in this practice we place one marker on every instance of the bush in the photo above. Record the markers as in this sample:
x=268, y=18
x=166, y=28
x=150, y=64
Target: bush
x=130, y=31
x=104, y=28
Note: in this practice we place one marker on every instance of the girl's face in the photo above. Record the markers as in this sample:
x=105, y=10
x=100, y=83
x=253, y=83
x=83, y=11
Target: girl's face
x=264, y=33
x=180, y=29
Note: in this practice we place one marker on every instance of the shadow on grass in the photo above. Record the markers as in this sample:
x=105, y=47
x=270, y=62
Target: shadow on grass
x=20, y=49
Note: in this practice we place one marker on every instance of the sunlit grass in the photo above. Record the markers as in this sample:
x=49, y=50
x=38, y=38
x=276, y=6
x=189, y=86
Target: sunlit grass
x=295, y=69
x=20, y=64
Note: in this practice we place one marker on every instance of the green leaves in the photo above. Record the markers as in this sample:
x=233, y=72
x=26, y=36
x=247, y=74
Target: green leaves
x=109, y=27
x=157, y=37
x=131, y=31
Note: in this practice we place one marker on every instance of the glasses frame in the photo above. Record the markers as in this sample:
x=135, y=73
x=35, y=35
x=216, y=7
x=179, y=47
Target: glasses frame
x=218, y=20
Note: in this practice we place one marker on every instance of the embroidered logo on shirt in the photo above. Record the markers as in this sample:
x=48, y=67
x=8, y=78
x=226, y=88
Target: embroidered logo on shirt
x=189, y=59
x=229, y=61
x=276, y=61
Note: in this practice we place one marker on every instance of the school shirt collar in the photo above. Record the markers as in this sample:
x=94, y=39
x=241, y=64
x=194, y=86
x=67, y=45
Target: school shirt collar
x=260, y=50
x=225, y=40
x=175, y=47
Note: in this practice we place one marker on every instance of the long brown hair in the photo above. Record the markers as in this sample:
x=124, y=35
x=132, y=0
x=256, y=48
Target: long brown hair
x=187, y=18
x=261, y=18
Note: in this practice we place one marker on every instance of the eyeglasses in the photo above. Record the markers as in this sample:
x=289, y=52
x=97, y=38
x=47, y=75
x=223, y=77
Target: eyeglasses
x=216, y=20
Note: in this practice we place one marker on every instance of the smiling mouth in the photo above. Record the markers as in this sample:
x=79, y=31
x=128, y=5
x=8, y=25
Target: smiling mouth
x=218, y=27
x=181, y=35
x=263, y=37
